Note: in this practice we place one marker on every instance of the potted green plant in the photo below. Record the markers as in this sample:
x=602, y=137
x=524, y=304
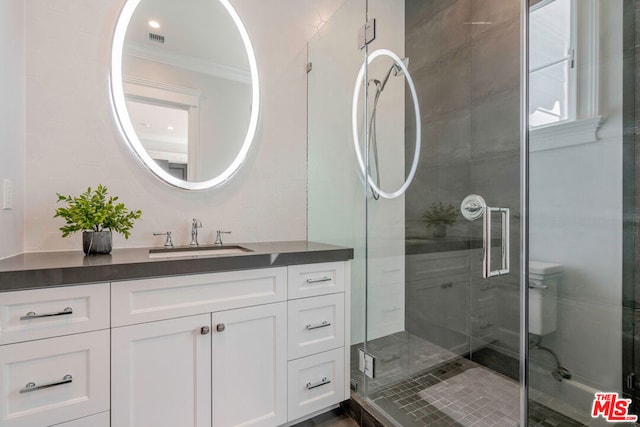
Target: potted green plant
x=439, y=217
x=96, y=216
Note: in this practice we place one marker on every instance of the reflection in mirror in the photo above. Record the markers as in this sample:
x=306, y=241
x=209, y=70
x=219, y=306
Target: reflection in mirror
x=185, y=88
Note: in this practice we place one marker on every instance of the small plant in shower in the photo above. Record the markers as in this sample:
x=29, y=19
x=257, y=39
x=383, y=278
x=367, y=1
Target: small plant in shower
x=439, y=217
x=96, y=216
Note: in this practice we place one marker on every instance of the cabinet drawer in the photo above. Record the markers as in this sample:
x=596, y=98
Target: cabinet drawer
x=46, y=313
x=54, y=380
x=98, y=420
x=315, y=324
x=309, y=280
x=315, y=382
x=146, y=300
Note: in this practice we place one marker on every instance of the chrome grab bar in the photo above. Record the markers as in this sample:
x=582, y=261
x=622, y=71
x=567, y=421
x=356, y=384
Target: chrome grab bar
x=31, y=386
x=322, y=382
x=504, y=269
x=33, y=315
x=318, y=280
x=324, y=324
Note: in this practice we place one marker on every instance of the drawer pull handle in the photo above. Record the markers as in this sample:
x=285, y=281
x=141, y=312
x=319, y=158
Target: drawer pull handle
x=320, y=279
x=33, y=315
x=311, y=327
x=322, y=382
x=31, y=386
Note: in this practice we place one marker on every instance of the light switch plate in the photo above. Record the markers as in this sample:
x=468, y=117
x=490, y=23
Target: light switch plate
x=7, y=194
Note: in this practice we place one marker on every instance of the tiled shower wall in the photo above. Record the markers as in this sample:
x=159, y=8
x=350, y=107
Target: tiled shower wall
x=465, y=59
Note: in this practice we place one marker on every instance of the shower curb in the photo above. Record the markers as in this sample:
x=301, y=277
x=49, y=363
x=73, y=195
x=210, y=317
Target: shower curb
x=364, y=414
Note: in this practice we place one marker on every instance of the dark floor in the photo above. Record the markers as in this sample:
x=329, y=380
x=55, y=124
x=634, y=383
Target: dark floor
x=336, y=417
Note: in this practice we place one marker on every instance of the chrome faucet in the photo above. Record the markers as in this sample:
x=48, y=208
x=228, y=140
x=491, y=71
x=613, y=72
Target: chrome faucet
x=194, y=232
x=219, y=237
x=167, y=243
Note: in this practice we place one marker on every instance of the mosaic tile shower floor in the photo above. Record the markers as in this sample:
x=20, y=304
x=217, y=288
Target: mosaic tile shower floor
x=420, y=384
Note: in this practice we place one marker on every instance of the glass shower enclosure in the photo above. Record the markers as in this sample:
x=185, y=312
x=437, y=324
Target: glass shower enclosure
x=479, y=158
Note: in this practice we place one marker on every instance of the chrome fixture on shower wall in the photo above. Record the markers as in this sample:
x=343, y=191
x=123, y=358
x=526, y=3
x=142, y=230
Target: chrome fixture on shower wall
x=398, y=68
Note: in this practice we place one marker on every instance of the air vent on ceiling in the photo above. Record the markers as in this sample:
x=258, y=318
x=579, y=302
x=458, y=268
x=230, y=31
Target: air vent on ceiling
x=156, y=37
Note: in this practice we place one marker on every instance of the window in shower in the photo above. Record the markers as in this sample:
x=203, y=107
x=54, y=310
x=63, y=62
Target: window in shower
x=552, y=65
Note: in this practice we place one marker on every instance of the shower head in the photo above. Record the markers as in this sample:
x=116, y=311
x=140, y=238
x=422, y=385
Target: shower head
x=397, y=70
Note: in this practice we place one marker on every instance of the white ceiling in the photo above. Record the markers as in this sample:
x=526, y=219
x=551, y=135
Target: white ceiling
x=203, y=31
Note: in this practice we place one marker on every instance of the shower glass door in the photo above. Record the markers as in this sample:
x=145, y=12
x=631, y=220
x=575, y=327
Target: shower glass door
x=445, y=339
x=433, y=342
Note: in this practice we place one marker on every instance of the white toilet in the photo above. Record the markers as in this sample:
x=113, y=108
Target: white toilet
x=544, y=279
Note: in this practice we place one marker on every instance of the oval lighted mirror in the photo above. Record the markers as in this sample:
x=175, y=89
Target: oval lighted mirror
x=184, y=83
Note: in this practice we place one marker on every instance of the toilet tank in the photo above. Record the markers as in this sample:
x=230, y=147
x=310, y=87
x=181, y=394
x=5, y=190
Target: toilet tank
x=544, y=279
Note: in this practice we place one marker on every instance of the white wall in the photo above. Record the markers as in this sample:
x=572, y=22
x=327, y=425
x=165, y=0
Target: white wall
x=576, y=220
x=12, y=143
x=72, y=141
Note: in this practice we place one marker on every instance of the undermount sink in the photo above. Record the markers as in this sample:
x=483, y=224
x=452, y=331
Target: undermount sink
x=194, y=251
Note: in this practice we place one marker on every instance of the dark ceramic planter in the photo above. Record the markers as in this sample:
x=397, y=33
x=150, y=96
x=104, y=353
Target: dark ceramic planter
x=440, y=231
x=96, y=242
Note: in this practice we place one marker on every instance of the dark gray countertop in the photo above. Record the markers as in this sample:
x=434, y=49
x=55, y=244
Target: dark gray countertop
x=45, y=269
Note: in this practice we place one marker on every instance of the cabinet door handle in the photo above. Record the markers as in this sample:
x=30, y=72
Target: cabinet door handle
x=322, y=382
x=220, y=327
x=324, y=324
x=33, y=315
x=319, y=279
x=205, y=330
x=31, y=386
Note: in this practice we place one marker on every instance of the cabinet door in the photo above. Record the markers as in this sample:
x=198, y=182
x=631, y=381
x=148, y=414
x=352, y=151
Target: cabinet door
x=250, y=366
x=161, y=373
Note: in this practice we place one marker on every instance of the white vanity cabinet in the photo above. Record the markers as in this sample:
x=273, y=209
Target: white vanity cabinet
x=260, y=347
x=54, y=361
x=222, y=349
x=317, y=370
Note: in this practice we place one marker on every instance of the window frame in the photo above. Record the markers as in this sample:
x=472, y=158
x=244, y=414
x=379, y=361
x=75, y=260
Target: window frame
x=584, y=120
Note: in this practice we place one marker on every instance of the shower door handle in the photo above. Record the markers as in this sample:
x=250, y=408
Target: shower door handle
x=486, y=232
x=473, y=207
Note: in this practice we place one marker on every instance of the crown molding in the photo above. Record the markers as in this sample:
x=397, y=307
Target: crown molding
x=188, y=62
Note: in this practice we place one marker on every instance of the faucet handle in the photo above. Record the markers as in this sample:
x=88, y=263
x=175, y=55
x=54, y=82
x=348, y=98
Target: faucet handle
x=219, y=234
x=167, y=243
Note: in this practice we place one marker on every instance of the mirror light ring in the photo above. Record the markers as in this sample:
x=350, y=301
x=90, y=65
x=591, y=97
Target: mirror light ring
x=118, y=102
x=354, y=123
